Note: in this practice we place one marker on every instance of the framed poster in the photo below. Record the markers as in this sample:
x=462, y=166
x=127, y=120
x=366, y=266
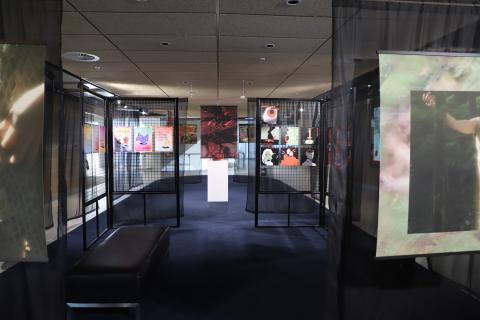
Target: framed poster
x=95, y=139
x=270, y=135
x=143, y=139
x=270, y=156
x=269, y=114
x=429, y=131
x=243, y=133
x=164, y=139
x=219, y=132
x=289, y=156
x=188, y=134
x=309, y=157
x=22, y=215
x=122, y=137
x=309, y=136
x=87, y=138
x=101, y=139
x=290, y=136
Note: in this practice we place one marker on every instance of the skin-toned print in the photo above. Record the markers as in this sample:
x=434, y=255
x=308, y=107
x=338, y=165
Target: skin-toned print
x=428, y=198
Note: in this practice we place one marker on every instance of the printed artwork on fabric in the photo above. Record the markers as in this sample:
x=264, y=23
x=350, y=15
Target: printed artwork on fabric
x=219, y=132
x=143, y=139
x=164, y=139
x=270, y=156
x=290, y=136
x=289, y=157
x=270, y=135
x=122, y=137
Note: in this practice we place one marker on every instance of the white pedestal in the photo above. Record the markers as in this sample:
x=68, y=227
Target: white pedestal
x=218, y=181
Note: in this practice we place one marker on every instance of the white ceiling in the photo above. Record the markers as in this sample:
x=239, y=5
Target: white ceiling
x=127, y=36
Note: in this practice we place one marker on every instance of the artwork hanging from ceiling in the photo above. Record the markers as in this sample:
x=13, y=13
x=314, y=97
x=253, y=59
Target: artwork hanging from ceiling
x=219, y=132
x=22, y=216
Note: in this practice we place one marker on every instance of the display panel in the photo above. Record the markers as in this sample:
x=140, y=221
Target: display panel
x=219, y=132
x=22, y=228
x=429, y=173
x=143, y=139
x=164, y=139
x=122, y=137
x=188, y=134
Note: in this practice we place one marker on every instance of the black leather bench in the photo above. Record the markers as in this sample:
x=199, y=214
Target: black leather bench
x=113, y=274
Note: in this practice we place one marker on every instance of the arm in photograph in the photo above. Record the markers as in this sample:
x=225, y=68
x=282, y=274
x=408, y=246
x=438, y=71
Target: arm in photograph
x=462, y=126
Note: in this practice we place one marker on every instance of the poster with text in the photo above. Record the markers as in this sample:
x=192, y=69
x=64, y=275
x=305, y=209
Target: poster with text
x=122, y=137
x=95, y=139
x=101, y=142
x=188, y=134
x=219, y=132
x=143, y=139
x=164, y=139
x=87, y=138
x=429, y=133
x=23, y=221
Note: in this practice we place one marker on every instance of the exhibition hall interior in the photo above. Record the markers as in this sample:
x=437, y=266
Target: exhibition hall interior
x=239, y=159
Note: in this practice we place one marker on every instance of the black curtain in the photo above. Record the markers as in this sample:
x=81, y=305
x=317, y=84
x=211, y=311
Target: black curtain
x=360, y=29
x=36, y=290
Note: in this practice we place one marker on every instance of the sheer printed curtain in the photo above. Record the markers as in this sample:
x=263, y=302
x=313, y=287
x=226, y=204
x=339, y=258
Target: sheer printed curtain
x=361, y=28
x=35, y=291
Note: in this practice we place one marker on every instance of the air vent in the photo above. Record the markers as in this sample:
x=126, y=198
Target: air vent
x=80, y=57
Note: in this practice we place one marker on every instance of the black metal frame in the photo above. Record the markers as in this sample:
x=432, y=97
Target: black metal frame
x=176, y=150
x=107, y=195
x=322, y=165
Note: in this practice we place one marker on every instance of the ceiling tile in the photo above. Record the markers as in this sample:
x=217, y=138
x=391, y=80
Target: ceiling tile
x=257, y=44
x=178, y=67
x=148, y=6
x=172, y=56
x=85, y=43
x=275, y=26
x=151, y=43
x=74, y=23
x=196, y=24
x=277, y=7
x=254, y=57
x=182, y=76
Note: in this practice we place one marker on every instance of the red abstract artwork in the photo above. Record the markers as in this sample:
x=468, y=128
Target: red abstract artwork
x=219, y=132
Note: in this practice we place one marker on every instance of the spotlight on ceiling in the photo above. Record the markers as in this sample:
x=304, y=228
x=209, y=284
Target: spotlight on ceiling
x=97, y=67
x=270, y=45
x=262, y=59
x=143, y=112
x=119, y=102
x=80, y=56
x=293, y=2
x=243, y=97
x=165, y=43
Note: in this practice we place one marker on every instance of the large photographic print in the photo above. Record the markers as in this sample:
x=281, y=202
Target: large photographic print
x=219, y=132
x=22, y=227
x=429, y=150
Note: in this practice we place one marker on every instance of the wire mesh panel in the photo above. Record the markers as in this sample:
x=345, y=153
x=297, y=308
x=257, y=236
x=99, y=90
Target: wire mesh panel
x=146, y=155
x=289, y=159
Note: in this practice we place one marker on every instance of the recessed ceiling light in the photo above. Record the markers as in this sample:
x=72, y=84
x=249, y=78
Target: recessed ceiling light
x=165, y=43
x=186, y=82
x=243, y=97
x=141, y=0
x=97, y=67
x=262, y=59
x=80, y=56
x=270, y=45
x=293, y=2
x=119, y=102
